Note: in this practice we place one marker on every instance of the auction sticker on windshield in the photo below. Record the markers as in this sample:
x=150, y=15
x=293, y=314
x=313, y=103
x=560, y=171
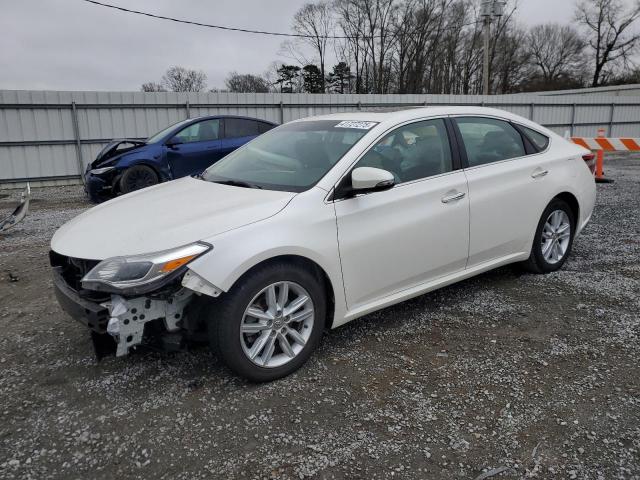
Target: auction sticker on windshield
x=356, y=124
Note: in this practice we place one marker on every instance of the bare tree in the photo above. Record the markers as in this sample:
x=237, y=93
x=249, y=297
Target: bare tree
x=244, y=83
x=380, y=37
x=152, y=87
x=557, y=51
x=316, y=21
x=350, y=20
x=607, y=23
x=180, y=79
x=435, y=46
x=418, y=25
x=512, y=60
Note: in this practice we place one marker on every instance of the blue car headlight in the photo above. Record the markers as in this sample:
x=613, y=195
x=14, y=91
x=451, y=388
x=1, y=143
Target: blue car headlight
x=100, y=171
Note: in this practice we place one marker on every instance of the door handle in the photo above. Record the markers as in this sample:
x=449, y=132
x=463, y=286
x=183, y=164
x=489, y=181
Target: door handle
x=453, y=197
x=539, y=173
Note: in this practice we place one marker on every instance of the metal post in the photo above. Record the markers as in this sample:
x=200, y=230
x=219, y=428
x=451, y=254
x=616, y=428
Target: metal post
x=573, y=120
x=485, y=65
x=76, y=134
x=187, y=108
x=359, y=106
x=281, y=112
x=611, y=117
x=532, y=109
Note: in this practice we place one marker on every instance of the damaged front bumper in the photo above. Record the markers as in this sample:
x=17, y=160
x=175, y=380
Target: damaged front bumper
x=165, y=319
x=128, y=317
x=99, y=187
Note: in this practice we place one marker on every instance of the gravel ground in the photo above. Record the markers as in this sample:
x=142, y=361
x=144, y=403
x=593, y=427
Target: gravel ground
x=534, y=375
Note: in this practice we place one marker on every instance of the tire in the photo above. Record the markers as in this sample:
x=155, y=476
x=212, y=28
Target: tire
x=230, y=314
x=545, y=259
x=137, y=177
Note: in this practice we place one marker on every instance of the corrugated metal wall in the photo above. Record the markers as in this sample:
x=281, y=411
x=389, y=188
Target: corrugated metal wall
x=610, y=91
x=46, y=135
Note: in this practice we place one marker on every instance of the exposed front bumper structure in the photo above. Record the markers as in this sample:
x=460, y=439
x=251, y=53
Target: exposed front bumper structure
x=128, y=317
x=120, y=323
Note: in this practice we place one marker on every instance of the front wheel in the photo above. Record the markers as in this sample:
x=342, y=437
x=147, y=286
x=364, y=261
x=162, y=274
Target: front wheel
x=137, y=177
x=553, y=239
x=269, y=323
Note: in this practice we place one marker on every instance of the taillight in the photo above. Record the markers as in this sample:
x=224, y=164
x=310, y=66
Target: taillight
x=590, y=160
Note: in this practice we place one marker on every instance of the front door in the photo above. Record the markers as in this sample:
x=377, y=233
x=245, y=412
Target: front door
x=413, y=233
x=194, y=148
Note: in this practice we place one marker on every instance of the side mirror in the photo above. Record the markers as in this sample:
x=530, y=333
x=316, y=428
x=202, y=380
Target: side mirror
x=369, y=179
x=173, y=141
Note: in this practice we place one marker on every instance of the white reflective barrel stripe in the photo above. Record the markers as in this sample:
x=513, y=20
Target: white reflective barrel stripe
x=622, y=144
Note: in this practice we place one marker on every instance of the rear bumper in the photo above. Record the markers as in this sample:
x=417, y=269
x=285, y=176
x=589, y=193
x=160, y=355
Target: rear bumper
x=90, y=314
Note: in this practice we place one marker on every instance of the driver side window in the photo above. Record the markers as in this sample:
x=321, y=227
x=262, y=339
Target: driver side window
x=411, y=152
x=204, y=131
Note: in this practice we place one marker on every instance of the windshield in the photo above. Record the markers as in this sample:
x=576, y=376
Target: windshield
x=292, y=157
x=163, y=132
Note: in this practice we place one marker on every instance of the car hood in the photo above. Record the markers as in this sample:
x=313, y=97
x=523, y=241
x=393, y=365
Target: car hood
x=164, y=216
x=114, y=149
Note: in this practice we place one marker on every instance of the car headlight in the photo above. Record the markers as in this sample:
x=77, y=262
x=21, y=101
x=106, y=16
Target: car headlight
x=100, y=171
x=140, y=273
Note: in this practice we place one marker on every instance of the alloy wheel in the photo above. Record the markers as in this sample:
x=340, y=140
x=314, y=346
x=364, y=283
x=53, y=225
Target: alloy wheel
x=140, y=179
x=556, y=236
x=277, y=324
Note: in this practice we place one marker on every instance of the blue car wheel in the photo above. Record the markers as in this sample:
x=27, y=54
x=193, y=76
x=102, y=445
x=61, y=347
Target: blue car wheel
x=137, y=177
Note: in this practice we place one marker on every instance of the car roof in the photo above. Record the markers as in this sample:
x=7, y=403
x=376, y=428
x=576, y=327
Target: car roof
x=212, y=117
x=399, y=116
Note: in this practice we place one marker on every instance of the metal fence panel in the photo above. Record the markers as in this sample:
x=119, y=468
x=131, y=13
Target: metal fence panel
x=49, y=134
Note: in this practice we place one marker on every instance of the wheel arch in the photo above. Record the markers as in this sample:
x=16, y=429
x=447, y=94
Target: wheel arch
x=573, y=203
x=305, y=263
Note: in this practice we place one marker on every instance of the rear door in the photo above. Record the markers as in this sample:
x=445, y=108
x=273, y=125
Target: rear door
x=415, y=232
x=509, y=185
x=198, y=147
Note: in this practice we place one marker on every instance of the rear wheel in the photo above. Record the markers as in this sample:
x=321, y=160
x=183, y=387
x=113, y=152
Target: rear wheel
x=553, y=239
x=268, y=325
x=137, y=177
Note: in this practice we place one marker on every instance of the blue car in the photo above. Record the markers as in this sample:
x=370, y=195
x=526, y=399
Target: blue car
x=185, y=148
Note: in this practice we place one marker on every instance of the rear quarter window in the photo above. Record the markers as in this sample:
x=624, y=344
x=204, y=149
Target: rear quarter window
x=538, y=139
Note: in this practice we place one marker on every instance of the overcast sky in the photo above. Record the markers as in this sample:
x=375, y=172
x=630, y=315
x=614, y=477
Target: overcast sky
x=74, y=45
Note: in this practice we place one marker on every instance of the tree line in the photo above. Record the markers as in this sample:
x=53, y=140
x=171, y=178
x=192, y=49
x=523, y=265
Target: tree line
x=436, y=46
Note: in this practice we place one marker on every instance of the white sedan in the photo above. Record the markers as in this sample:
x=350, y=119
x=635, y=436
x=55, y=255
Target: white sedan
x=316, y=223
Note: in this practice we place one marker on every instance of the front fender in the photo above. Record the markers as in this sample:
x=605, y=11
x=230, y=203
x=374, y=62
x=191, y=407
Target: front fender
x=305, y=228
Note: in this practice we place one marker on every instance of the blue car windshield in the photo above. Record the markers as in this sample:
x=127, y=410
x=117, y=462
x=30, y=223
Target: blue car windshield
x=292, y=157
x=165, y=131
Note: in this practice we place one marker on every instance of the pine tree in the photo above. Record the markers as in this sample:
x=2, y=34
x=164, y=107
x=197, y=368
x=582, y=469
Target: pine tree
x=312, y=76
x=288, y=74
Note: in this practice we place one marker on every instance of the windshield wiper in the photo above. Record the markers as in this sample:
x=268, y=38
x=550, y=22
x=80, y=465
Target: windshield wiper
x=237, y=183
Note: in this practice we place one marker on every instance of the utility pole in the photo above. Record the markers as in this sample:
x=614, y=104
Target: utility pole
x=489, y=9
x=485, y=65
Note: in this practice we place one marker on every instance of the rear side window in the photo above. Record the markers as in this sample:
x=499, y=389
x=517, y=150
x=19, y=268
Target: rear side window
x=240, y=127
x=487, y=140
x=264, y=127
x=539, y=140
